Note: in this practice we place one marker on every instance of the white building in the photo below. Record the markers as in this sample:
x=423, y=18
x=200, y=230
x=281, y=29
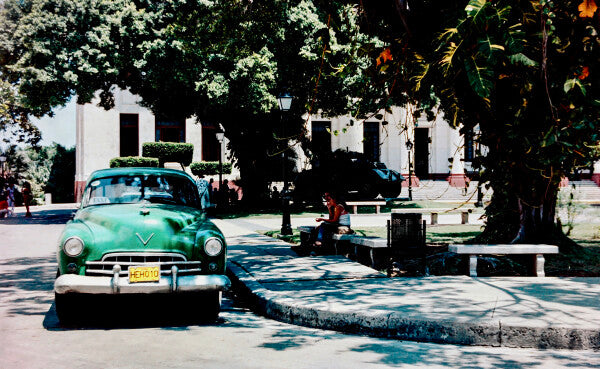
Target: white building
x=102, y=135
x=438, y=151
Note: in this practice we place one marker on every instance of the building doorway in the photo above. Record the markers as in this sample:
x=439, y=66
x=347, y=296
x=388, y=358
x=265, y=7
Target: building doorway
x=371, y=141
x=321, y=139
x=211, y=149
x=129, y=135
x=422, y=153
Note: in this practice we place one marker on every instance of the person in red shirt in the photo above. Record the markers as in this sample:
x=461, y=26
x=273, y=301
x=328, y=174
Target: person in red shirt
x=26, y=192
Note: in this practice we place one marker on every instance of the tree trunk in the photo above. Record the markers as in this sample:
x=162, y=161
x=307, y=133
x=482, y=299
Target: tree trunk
x=513, y=218
x=537, y=223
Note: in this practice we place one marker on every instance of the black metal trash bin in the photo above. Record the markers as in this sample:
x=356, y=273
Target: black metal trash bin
x=407, y=236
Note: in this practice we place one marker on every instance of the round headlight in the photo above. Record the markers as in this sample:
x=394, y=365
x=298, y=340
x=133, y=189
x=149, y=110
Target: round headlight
x=213, y=246
x=73, y=246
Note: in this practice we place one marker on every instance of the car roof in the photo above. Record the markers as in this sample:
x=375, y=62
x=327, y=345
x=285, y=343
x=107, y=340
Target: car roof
x=132, y=171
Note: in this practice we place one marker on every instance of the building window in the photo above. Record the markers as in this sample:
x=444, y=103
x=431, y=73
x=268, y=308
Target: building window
x=321, y=138
x=170, y=130
x=211, y=149
x=129, y=135
x=371, y=140
x=469, y=146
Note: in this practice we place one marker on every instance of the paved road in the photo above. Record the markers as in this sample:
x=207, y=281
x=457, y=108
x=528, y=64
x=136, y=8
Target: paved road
x=30, y=336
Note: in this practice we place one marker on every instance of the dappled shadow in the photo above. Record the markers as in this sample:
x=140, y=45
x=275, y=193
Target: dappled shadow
x=26, y=284
x=335, y=285
x=435, y=355
x=56, y=216
x=369, y=351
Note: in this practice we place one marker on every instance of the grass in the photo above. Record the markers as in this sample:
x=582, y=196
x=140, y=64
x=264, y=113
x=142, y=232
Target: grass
x=583, y=263
x=435, y=234
x=317, y=210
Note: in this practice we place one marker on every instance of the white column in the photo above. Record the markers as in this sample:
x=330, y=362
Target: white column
x=596, y=175
x=457, y=177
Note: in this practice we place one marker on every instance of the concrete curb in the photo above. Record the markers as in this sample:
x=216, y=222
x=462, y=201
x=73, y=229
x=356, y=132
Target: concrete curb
x=393, y=325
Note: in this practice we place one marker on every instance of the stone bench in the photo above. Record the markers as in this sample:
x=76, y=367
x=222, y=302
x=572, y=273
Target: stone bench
x=435, y=213
x=351, y=244
x=520, y=249
x=356, y=204
x=371, y=244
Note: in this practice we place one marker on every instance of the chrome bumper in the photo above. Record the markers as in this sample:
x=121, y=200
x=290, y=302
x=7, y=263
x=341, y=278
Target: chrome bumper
x=72, y=283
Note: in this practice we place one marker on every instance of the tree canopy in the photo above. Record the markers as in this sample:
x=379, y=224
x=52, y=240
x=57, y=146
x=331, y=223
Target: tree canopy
x=527, y=73
x=223, y=62
x=14, y=117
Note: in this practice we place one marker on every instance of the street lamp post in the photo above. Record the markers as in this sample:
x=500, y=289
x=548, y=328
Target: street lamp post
x=479, y=203
x=285, y=102
x=409, y=146
x=220, y=136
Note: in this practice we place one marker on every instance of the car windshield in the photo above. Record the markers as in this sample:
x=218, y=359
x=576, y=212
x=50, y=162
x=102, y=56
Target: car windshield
x=131, y=189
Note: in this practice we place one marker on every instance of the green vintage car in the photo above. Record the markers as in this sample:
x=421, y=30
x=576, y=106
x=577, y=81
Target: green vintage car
x=141, y=231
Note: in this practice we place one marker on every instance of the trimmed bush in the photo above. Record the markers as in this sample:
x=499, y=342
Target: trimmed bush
x=209, y=168
x=181, y=153
x=133, y=161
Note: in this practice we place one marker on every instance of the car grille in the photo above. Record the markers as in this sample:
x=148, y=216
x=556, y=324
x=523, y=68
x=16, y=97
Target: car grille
x=125, y=260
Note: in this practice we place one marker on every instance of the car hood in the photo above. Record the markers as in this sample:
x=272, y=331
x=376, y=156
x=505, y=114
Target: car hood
x=142, y=227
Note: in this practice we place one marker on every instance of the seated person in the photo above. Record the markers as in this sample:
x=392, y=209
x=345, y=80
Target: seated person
x=338, y=221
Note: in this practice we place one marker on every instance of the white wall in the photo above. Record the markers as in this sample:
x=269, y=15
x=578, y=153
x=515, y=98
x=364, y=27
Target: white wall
x=97, y=142
x=97, y=133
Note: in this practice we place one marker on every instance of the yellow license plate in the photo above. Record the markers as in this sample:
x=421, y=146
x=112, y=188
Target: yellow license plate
x=144, y=274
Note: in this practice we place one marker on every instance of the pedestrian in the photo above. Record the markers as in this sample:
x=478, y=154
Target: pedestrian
x=224, y=194
x=275, y=195
x=211, y=190
x=233, y=196
x=204, y=191
x=26, y=192
x=10, y=197
x=3, y=203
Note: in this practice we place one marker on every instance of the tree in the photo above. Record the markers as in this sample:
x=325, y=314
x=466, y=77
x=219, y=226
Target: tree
x=222, y=62
x=526, y=72
x=14, y=117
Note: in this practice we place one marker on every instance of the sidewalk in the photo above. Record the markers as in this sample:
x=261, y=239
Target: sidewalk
x=332, y=292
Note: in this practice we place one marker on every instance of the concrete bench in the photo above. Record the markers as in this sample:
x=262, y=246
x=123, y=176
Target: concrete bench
x=356, y=204
x=355, y=243
x=372, y=244
x=522, y=249
x=435, y=213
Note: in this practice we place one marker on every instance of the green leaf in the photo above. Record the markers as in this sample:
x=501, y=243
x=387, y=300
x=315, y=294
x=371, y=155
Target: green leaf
x=571, y=83
x=475, y=7
x=522, y=59
x=477, y=78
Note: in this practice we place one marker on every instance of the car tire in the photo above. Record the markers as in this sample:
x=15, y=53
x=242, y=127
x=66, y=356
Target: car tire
x=390, y=193
x=207, y=305
x=368, y=192
x=66, y=308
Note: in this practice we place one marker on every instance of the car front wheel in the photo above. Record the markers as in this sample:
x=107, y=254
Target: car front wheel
x=66, y=307
x=207, y=305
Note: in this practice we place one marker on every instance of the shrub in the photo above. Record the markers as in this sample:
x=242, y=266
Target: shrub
x=181, y=153
x=209, y=168
x=133, y=161
x=60, y=181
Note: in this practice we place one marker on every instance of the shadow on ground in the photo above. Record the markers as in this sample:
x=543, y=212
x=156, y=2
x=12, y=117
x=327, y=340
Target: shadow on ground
x=57, y=216
x=102, y=312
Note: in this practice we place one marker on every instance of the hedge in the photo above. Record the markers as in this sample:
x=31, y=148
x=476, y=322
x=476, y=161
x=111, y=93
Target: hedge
x=133, y=161
x=169, y=152
x=209, y=168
